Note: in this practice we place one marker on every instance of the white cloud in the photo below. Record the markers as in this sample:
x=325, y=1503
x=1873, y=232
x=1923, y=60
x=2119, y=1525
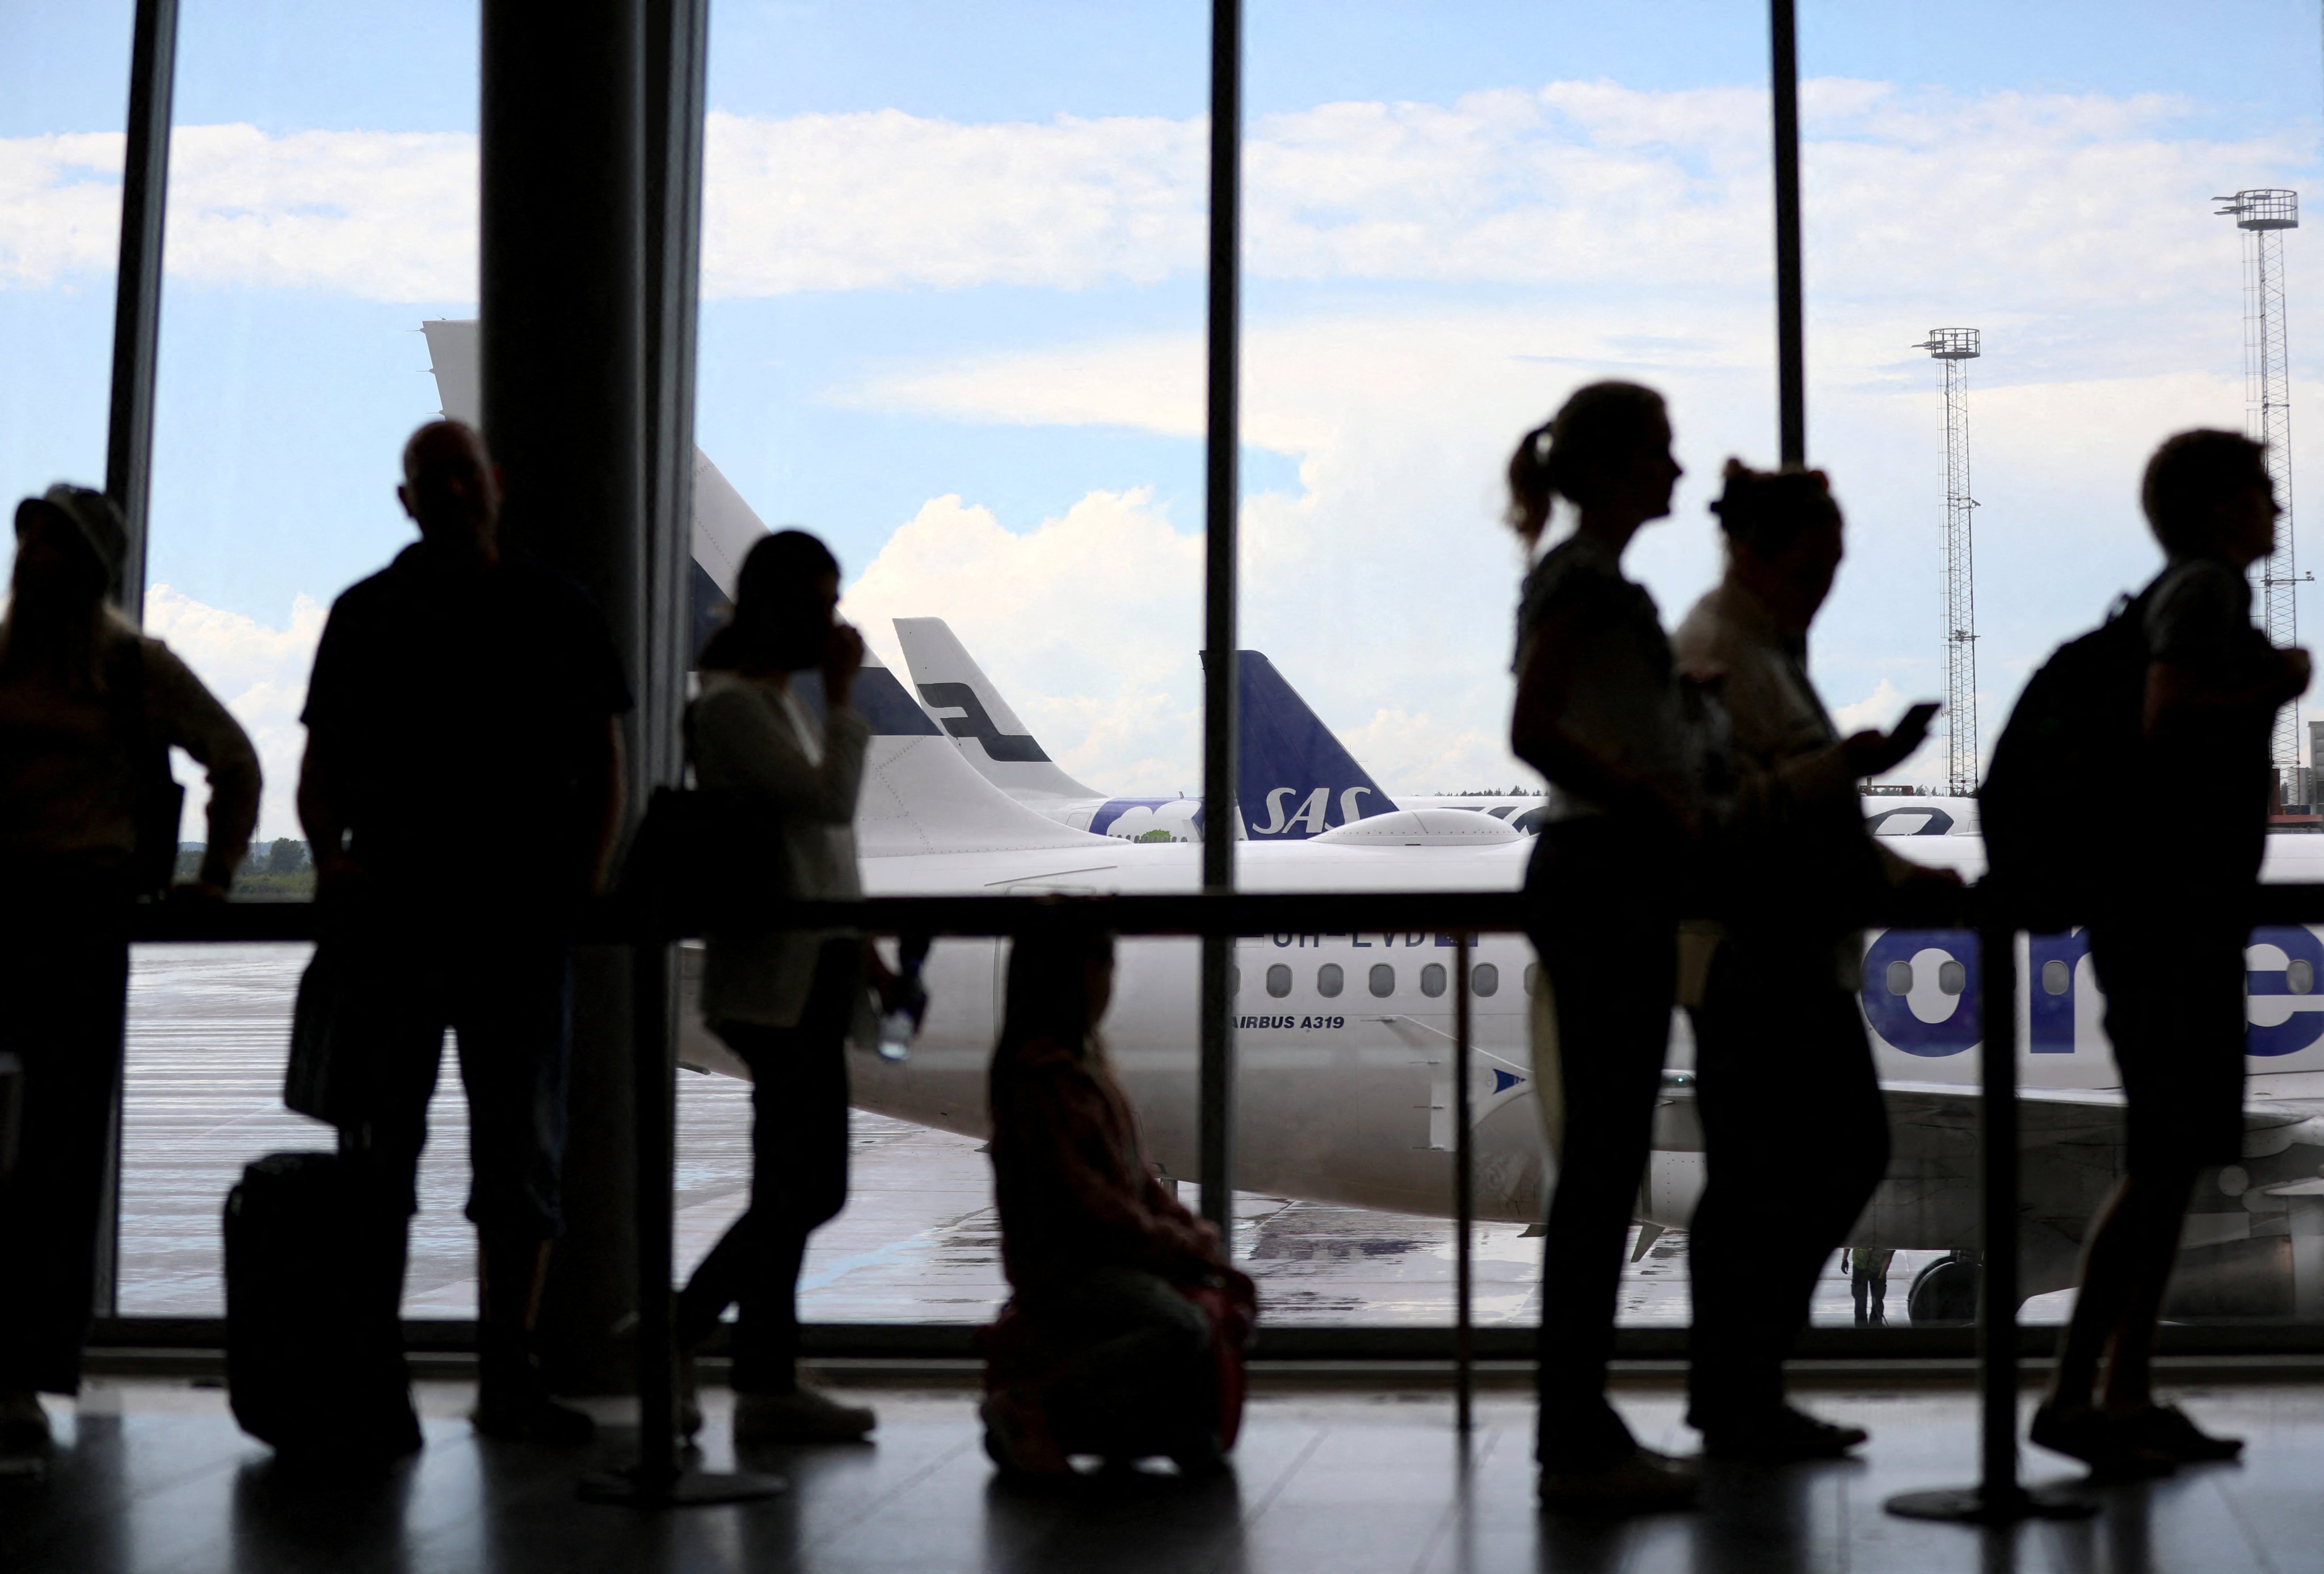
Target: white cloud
x=1088, y=622
x=1572, y=185
x=257, y=672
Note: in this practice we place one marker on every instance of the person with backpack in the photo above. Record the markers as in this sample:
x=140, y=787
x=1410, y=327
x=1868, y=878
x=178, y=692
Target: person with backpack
x=89, y=709
x=1599, y=713
x=2184, y=692
x=1796, y=1134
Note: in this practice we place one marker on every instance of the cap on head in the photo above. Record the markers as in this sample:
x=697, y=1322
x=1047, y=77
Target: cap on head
x=93, y=516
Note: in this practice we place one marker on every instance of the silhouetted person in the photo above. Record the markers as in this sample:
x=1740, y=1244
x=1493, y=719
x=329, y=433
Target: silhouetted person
x=1867, y=1281
x=1795, y=1133
x=783, y=1000
x=462, y=788
x=2169, y=947
x=1599, y=713
x=88, y=709
x=1127, y=1315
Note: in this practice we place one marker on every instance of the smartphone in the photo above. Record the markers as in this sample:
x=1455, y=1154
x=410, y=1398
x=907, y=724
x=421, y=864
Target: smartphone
x=1918, y=718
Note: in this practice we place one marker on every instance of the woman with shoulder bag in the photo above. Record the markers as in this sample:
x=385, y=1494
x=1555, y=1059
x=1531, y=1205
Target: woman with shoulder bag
x=782, y=1000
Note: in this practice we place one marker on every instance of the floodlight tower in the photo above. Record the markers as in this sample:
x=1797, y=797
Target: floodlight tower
x=1953, y=349
x=2263, y=214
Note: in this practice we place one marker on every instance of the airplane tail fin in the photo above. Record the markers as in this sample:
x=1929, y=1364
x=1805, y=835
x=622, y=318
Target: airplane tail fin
x=1293, y=779
x=725, y=526
x=919, y=794
x=971, y=709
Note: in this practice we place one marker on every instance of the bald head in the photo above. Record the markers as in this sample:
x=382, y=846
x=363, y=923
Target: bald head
x=451, y=488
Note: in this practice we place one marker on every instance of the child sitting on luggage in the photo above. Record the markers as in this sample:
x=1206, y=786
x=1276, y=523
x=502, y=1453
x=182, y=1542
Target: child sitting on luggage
x=1124, y=1336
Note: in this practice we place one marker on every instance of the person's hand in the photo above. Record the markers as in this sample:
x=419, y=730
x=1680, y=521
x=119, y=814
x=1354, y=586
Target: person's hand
x=842, y=658
x=1869, y=753
x=197, y=890
x=2296, y=670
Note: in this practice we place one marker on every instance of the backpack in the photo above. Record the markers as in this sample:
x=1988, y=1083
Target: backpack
x=2081, y=718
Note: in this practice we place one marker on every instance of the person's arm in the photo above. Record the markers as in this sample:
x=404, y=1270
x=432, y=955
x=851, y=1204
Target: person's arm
x=740, y=743
x=1539, y=736
x=1058, y=1122
x=320, y=817
x=191, y=718
x=606, y=786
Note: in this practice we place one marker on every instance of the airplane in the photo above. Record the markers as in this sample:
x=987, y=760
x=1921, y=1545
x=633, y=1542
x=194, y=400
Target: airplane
x=1295, y=780
x=1344, y=1069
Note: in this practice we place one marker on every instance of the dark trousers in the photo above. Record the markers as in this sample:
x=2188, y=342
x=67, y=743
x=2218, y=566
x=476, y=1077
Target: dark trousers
x=1868, y=1279
x=64, y=984
x=506, y=997
x=799, y=1178
x=1797, y=1140
x=1603, y=926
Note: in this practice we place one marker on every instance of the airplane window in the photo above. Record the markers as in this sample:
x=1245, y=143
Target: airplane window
x=1431, y=980
x=1531, y=970
x=2057, y=977
x=2300, y=978
x=1279, y=981
x=1234, y=980
x=1329, y=980
x=1484, y=979
x=1900, y=978
x=1383, y=980
x=1953, y=978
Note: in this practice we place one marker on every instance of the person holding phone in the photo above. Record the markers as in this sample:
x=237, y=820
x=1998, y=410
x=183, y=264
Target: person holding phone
x=1797, y=1137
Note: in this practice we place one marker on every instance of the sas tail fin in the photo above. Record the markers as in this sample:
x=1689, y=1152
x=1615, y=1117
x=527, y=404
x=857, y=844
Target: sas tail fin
x=1293, y=779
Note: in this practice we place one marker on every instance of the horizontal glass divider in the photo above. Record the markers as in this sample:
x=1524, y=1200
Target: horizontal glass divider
x=1380, y=1342
x=1249, y=913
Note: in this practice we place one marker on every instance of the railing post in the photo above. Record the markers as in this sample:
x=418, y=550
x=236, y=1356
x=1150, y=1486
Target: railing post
x=1221, y=500
x=1997, y=1497
x=1464, y=1195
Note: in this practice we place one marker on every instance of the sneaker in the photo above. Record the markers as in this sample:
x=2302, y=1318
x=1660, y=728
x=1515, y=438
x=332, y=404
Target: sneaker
x=23, y=1424
x=1017, y=1439
x=1640, y=1482
x=2108, y=1447
x=2164, y=1429
x=803, y=1416
x=1783, y=1436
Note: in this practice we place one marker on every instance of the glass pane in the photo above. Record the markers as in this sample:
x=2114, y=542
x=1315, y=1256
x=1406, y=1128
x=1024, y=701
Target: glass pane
x=322, y=205
x=64, y=95
x=915, y=220
x=2002, y=169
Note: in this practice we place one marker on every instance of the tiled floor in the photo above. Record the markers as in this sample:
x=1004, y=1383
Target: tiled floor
x=153, y=1475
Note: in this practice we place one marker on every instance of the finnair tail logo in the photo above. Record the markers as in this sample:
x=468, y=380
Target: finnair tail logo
x=1002, y=747
x=1310, y=816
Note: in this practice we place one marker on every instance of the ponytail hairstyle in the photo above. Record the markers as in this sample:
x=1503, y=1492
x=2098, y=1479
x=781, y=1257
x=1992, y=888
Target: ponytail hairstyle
x=1565, y=456
x=1765, y=511
x=776, y=621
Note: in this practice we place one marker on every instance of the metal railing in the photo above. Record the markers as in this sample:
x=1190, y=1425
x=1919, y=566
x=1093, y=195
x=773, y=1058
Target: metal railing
x=2000, y=1342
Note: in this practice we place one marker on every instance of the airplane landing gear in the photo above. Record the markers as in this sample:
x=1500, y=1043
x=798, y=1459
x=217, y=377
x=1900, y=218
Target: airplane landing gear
x=1945, y=1291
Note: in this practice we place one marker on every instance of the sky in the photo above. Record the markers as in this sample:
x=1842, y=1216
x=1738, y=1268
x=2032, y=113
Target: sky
x=953, y=295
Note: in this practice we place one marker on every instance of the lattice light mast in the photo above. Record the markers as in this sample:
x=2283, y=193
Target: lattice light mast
x=1953, y=349
x=2263, y=215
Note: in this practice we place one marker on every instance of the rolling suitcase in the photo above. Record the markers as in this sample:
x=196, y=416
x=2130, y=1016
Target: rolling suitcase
x=314, y=1347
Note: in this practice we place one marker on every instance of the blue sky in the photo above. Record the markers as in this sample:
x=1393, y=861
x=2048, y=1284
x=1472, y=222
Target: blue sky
x=1412, y=303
